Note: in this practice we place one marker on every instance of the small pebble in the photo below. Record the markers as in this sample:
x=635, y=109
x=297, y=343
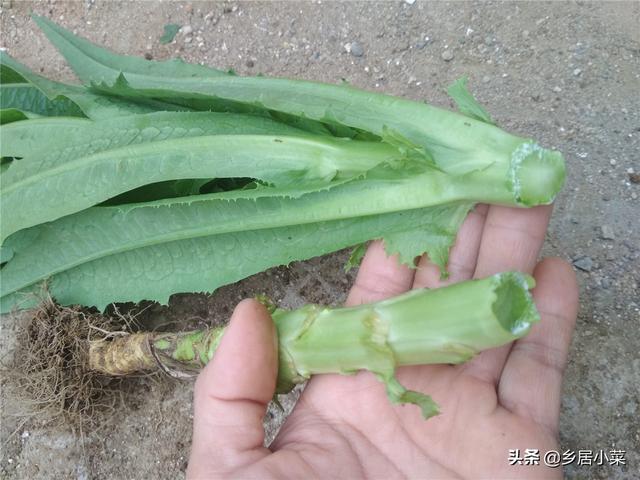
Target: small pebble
x=486, y=79
x=447, y=55
x=607, y=232
x=634, y=177
x=186, y=30
x=409, y=2
x=249, y=63
x=525, y=34
x=605, y=283
x=211, y=17
x=557, y=89
x=148, y=56
x=630, y=408
x=612, y=162
x=188, y=39
x=583, y=263
x=356, y=49
x=577, y=72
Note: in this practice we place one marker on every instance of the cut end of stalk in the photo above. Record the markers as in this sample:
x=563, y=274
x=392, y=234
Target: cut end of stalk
x=514, y=306
x=536, y=174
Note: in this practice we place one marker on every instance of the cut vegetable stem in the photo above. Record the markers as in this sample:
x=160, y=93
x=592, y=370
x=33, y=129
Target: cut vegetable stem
x=445, y=325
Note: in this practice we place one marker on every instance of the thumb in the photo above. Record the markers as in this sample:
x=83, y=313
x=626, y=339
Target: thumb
x=232, y=393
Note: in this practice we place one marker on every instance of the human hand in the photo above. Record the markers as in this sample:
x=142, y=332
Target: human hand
x=345, y=427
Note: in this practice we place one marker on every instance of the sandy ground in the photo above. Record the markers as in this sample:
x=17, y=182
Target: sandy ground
x=567, y=74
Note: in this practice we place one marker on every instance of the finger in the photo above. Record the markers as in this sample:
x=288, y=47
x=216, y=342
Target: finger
x=511, y=240
x=462, y=258
x=380, y=276
x=531, y=380
x=232, y=393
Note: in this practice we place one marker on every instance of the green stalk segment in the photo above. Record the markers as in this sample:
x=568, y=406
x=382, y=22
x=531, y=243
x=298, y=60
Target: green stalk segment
x=446, y=325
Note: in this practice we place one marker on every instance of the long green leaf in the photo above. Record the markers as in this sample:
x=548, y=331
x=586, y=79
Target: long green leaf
x=101, y=60
x=52, y=141
x=104, y=231
x=49, y=142
x=26, y=97
x=457, y=143
x=10, y=115
x=92, y=105
x=65, y=188
x=9, y=75
x=203, y=263
x=99, y=107
x=101, y=64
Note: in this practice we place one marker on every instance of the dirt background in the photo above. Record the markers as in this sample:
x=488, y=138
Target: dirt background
x=567, y=74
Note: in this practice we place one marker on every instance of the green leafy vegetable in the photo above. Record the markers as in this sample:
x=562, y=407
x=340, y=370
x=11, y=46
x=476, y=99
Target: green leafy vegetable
x=185, y=178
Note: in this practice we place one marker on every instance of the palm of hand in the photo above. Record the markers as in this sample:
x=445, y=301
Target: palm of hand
x=355, y=425
x=506, y=398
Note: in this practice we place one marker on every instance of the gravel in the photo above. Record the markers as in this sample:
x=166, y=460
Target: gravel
x=583, y=263
x=447, y=55
x=607, y=232
x=355, y=49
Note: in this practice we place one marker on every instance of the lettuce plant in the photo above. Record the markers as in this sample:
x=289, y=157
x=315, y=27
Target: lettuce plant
x=162, y=177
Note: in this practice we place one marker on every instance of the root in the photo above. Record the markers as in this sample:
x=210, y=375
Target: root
x=50, y=370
